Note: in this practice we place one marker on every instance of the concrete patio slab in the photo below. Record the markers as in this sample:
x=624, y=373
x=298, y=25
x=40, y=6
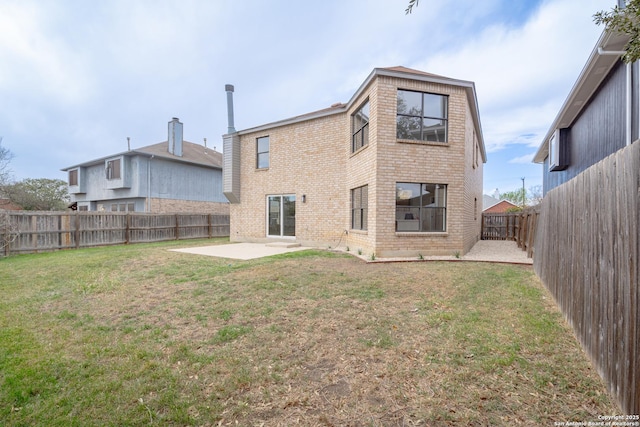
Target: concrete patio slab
x=484, y=250
x=243, y=251
x=501, y=251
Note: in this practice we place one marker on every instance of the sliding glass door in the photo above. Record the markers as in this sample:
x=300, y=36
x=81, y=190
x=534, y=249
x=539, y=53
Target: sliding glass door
x=281, y=216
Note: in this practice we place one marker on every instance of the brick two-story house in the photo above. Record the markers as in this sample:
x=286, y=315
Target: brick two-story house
x=396, y=171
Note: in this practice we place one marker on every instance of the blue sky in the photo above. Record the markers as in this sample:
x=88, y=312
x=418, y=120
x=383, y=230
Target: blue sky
x=78, y=77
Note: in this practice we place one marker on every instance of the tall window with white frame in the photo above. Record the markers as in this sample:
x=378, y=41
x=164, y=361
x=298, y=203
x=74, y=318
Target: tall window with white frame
x=421, y=207
x=360, y=127
x=262, y=152
x=422, y=116
x=359, y=207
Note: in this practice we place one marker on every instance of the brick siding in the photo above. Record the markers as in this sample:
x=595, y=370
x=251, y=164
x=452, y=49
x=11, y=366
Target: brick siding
x=185, y=206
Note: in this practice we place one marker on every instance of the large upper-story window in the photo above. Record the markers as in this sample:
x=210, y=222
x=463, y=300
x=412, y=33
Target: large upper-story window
x=113, y=169
x=73, y=177
x=360, y=128
x=421, y=207
x=422, y=116
x=262, y=150
x=359, y=207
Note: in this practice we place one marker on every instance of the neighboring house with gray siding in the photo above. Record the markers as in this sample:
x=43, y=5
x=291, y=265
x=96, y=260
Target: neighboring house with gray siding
x=600, y=116
x=171, y=176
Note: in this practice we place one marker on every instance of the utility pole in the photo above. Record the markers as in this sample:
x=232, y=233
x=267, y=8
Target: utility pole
x=523, y=194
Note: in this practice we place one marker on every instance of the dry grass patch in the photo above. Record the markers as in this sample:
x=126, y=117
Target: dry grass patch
x=139, y=335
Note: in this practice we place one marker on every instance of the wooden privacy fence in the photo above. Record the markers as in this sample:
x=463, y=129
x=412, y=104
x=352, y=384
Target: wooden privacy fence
x=30, y=231
x=587, y=249
x=517, y=226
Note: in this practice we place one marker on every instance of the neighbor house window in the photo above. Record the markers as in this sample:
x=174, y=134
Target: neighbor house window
x=421, y=207
x=113, y=169
x=359, y=203
x=262, y=148
x=422, y=116
x=360, y=128
x=73, y=177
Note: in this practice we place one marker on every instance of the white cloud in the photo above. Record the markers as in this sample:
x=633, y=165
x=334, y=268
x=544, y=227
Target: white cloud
x=79, y=77
x=526, y=159
x=34, y=63
x=523, y=74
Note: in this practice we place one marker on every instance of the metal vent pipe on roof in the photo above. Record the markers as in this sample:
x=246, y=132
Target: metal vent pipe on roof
x=229, y=89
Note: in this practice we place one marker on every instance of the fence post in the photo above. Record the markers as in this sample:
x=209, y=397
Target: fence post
x=521, y=226
x=128, y=226
x=177, y=228
x=531, y=236
x=76, y=232
x=210, y=228
x=6, y=237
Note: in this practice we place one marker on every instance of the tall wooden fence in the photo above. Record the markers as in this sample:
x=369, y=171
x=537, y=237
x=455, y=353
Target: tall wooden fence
x=517, y=226
x=29, y=231
x=586, y=253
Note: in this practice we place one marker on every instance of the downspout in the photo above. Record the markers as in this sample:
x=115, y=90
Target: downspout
x=149, y=183
x=629, y=106
x=628, y=103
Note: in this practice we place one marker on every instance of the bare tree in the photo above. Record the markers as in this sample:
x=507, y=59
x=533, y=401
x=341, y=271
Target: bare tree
x=7, y=231
x=535, y=195
x=5, y=159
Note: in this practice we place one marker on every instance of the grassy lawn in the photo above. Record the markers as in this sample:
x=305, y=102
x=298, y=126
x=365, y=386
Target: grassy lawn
x=138, y=335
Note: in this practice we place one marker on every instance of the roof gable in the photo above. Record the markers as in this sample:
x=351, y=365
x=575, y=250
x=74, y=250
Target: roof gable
x=195, y=154
x=500, y=207
x=402, y=69
x=192, y=153
x=398, y=72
